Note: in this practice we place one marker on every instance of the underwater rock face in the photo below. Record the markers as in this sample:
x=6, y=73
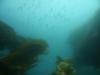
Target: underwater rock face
x=24, y=58
x=87, y=44
x=20, y=61
x=9, y=38
x=24, y=52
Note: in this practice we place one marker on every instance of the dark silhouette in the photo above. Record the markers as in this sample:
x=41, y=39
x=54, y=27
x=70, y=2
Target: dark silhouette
x=24, y=52
x=87, y=43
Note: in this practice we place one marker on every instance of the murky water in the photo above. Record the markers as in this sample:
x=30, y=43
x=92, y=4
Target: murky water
x=52, y=20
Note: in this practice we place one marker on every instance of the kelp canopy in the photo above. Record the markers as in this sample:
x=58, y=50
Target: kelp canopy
x=24, y=52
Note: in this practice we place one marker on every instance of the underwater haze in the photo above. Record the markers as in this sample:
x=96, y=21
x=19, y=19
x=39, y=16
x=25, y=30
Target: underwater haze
x=51, y=20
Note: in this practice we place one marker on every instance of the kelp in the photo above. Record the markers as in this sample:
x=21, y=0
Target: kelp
x=24, y=52
x=24, y=57
x=64, y=67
